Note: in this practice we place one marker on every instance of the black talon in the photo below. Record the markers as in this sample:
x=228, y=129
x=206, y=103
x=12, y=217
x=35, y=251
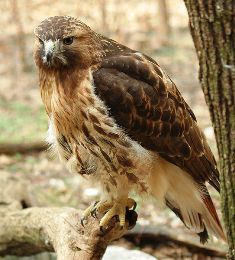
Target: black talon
x=82, y=222
x=131, y=217
x=96, y=202
x=121, y=227
x=135, y=205
x=102, y=230
x=93, y=213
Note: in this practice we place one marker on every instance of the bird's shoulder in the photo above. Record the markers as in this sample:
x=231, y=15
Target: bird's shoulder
x=139, y=83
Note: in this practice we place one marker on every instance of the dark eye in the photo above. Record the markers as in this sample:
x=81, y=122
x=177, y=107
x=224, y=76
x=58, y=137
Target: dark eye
x=68, y=40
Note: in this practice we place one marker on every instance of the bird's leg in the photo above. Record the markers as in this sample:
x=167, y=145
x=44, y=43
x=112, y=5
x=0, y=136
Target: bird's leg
x=116, y=207
x=112, y=204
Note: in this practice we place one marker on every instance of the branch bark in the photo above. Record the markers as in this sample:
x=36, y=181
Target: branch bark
x=27, y=231
x=34, y=230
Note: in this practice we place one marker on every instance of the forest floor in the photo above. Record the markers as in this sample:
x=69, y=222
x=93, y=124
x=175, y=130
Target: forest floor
x=23, y=119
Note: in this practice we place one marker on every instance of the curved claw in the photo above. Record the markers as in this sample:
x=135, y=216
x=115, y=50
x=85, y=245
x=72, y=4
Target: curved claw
x=96, y=202
x=135, y=205
x=82, y=222
x=93, y=211
x=118, y=208
x=121, y=227
x=102, y=230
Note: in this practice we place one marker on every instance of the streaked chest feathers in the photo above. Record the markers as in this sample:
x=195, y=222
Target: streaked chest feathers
x=89, y=141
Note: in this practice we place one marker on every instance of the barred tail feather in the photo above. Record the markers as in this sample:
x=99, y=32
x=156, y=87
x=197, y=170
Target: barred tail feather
x=202, y=222
x=190, y=201
x=211, y=219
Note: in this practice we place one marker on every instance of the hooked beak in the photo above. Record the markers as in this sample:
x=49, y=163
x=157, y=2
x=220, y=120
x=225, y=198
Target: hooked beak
x=48, y=51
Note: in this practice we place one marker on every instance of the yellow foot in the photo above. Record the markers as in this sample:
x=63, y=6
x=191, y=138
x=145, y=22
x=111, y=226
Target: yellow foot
x=117, y=208
x=87, y=212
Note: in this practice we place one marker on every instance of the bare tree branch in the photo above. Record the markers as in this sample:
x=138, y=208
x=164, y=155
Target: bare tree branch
x=34, y=230
x=27, y=231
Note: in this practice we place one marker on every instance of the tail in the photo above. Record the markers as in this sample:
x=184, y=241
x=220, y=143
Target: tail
x=210, y=217
x=190, y=201
x=201, y=223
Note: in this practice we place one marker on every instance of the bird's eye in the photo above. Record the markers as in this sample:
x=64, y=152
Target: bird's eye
x=68, y=40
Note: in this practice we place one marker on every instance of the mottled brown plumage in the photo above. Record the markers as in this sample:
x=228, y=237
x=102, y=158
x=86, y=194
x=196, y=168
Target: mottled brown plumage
x=150, y=108
x=117, y=118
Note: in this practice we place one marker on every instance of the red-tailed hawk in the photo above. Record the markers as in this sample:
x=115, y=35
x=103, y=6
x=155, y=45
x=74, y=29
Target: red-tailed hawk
x=118, y=119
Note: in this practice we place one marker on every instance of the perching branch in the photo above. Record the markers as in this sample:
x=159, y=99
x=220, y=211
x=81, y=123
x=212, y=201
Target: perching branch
x=33, y=230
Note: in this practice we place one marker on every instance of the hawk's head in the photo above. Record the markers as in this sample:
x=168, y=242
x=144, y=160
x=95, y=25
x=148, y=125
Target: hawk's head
x=64, y=41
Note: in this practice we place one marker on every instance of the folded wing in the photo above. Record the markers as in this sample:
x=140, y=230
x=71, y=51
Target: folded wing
x=146, y=103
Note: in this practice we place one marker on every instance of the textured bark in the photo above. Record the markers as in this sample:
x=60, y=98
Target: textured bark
x=212, y=25
x=34, y=230
x=26, y=230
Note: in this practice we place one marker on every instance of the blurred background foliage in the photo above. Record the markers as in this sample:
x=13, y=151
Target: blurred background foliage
x=159, y=28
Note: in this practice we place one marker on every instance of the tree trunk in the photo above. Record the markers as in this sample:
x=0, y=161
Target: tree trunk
x=16, y=18
x=212, y=25
x=164, y=24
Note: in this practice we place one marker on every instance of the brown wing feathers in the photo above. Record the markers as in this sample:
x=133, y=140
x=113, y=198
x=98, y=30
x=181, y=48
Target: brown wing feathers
x=153, y=112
